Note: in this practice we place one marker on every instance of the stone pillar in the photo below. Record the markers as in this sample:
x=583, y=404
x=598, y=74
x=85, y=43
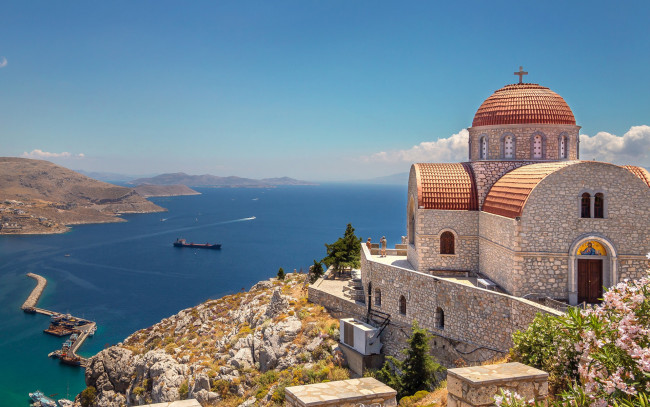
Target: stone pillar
x=476, y=386
x=344, y=393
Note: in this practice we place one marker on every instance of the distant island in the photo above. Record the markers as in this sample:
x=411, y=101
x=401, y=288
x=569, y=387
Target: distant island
x=39, y=197
x=147, y=190
x=207, y=180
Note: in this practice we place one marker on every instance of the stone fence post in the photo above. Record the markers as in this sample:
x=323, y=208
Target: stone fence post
x=476, y=386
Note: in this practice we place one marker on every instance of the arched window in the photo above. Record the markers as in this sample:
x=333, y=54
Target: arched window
x=563, y=147
x=483, y=148
x=439, y=318
x=599, y=206
x=537, y=146
x=508, y=147
x=412, y=229
x=585, y=206
x=402, y=305
x=447, y=243
x=377, y=297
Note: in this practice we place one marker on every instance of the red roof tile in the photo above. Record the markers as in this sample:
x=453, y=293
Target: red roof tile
x=523, y=103
x=639, y=172
x=446, y=186
x=509, y=194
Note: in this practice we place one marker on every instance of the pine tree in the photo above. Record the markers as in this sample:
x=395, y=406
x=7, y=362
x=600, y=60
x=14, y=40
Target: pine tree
x=315, y=271
x=419, y=366
x=345, y=252
x=417, y=371
x=281, y=274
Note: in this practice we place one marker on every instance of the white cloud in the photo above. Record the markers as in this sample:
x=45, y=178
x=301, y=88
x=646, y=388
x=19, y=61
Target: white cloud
x=3, y=62
x=45, y=154
x=451, y=149
x=633, y=147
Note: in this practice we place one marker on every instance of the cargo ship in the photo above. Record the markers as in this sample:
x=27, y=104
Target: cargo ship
x=183, y=243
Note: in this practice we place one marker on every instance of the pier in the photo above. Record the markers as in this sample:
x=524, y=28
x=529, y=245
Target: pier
x=73, y=325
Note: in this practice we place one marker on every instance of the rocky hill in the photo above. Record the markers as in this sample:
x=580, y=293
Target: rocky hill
x=208, y=180
x=38, y=196
x=164, y=190
x=240, y=350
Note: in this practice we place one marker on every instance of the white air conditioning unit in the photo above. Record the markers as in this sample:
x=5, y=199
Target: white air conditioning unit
x=359, y=336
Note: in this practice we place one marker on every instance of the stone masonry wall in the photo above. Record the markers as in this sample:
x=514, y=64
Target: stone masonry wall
x=429, y=226
x=472, y=315
x=523, y=135
x=551, y=218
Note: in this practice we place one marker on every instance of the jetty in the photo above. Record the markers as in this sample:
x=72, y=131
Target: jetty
x=61, y=325
x=33, y=298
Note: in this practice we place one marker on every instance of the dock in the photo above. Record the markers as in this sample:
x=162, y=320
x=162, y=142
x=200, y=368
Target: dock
x=80, y=326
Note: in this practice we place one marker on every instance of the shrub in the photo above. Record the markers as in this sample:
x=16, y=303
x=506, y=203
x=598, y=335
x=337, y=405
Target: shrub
x=183, y=390
x=546, y=346
x=611, y=344
x=281, y=274
x=88, y=396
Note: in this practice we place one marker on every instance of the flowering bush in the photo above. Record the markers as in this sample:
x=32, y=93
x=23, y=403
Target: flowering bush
x=609, y=344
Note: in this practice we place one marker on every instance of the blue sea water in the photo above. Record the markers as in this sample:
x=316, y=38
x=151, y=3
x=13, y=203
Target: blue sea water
x=127, y=276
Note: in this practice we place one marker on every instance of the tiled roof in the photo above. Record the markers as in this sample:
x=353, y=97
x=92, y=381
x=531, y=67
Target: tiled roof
x=509, y=194
x=523, y=103
x=639, y=172
x=446, y=186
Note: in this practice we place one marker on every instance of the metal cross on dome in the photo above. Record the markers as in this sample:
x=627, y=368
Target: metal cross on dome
x=521, y=73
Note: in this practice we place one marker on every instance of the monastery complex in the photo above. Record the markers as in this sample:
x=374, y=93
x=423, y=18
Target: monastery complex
x=524, y=226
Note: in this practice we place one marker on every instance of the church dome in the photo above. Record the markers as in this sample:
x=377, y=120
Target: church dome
x=524, y=103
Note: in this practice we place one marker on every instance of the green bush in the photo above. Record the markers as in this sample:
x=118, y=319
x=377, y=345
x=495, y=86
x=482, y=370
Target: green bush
x=281, y=274
x=546, y=346
x=183, y=390
x=88, y=396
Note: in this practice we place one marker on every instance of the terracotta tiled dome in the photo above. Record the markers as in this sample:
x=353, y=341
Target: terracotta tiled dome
x=523, y=103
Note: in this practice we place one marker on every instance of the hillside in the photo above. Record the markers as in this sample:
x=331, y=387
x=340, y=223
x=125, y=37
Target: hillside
x=164, y=190
x=40, y=197
x=207, y=180
x=242, y=348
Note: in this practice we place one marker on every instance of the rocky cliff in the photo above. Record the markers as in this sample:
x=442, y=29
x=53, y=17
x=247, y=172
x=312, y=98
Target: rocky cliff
x=240, y=350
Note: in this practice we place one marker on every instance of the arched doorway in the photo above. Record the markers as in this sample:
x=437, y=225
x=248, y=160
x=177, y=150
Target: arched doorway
x=592, y=266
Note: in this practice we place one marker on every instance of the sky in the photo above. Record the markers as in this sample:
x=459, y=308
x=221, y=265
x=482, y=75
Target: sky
x=316, y=90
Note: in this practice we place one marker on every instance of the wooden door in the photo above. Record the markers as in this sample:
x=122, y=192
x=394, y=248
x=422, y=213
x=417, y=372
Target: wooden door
x=590, y=280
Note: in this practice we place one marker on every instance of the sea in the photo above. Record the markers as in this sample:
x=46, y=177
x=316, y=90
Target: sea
x=127, y=276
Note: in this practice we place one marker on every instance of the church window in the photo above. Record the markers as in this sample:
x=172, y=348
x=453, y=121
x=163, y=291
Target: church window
x=508, y=147
x=402, y=305
x=378, y=297
x=412, y=229
x=563, y=147
x=483, y=148
x=537, y=146
x=585, y=206
x=447, y=243
x=439, y=318
x=599, y=206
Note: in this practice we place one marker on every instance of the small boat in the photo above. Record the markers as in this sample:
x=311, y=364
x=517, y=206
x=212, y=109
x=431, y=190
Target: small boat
x=67, y=255
x=39, y=397
x=92, y=331
x=183, y=243
x=163, y=219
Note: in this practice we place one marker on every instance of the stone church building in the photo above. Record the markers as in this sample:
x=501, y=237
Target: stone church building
x=523, y=219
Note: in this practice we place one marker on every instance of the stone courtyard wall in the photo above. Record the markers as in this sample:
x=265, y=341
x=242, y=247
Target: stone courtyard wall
x=471, y=315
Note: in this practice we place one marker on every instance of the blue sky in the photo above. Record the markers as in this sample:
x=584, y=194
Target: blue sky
x=320, y=90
